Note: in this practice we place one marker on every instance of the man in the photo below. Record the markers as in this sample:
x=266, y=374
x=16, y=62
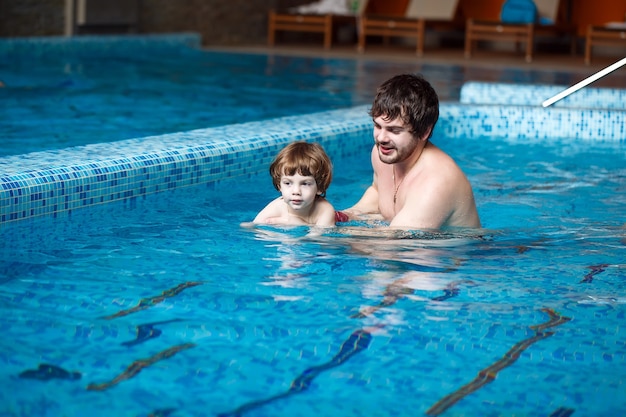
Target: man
x=416, y=185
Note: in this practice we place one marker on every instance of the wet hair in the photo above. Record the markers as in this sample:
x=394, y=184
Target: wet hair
x=410, y=97
x=306, y=159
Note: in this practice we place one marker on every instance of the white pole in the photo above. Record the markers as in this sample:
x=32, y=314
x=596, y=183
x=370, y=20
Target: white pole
x=584, y=82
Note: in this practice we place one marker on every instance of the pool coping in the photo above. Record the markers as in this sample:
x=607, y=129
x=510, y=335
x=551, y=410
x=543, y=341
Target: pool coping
x=54, y=182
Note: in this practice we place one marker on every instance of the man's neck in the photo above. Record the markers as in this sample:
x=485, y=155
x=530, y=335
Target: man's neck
x=401, y=169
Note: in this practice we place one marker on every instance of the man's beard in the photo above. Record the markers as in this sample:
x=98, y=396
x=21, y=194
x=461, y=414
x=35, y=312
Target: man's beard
x=397, y=155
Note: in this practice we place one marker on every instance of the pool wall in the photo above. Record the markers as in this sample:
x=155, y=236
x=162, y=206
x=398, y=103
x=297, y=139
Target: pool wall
x=533, y=95
x=55, y=182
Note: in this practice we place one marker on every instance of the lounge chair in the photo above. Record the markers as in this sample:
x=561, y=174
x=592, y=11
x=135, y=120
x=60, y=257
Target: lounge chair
x=612, y=34
x=403, y=19
x=317, y=17
x=520, y=27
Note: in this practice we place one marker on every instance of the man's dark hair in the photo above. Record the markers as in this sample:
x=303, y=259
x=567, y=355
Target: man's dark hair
x=410, y=97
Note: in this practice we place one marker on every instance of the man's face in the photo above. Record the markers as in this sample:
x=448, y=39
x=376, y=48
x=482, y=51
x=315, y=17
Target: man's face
x=394, y=140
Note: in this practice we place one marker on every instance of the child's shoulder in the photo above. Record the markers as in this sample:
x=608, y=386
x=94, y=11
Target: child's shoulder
x=322, y=202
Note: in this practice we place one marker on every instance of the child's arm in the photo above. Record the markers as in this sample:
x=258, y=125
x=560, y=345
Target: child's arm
x=326, y=216
x=272, y=210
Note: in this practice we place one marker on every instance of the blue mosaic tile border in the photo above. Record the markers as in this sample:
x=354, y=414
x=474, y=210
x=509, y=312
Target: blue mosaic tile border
x=534, y=95
x=532, y=123
x=56, y=182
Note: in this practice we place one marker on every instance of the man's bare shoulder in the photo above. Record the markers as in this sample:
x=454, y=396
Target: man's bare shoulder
x=438, y=169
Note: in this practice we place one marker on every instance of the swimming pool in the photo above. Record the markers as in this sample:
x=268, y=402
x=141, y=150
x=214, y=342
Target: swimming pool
x=159, y=303
x=166, y=306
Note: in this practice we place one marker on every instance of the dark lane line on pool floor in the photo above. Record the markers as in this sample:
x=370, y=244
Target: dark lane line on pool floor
x=146, y=332
x=146, y=303
x=489, y=374
x=359, y=340
x=136, y=367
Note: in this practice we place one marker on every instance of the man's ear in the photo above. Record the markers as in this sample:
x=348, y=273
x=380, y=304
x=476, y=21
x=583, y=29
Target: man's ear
x=427, y=135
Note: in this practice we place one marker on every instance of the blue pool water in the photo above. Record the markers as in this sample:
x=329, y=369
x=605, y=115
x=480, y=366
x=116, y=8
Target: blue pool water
x=77, y=95
x=162, y=304
x=167, y=306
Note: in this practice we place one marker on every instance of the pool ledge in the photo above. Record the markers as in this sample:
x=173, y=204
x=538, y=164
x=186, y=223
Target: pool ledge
x=58, y=182
x=475, y=92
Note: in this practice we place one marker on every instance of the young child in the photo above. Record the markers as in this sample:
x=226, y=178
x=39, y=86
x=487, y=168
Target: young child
x=301, y=172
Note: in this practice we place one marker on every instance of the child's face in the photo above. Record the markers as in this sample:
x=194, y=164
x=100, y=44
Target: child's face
x=298, y=191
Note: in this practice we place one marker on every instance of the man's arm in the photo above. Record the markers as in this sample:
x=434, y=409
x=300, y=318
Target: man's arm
x=368, y=204
x=423, y=212
x=429, y=204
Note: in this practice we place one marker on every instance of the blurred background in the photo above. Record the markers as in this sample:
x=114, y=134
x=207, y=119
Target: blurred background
x=227, y=22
